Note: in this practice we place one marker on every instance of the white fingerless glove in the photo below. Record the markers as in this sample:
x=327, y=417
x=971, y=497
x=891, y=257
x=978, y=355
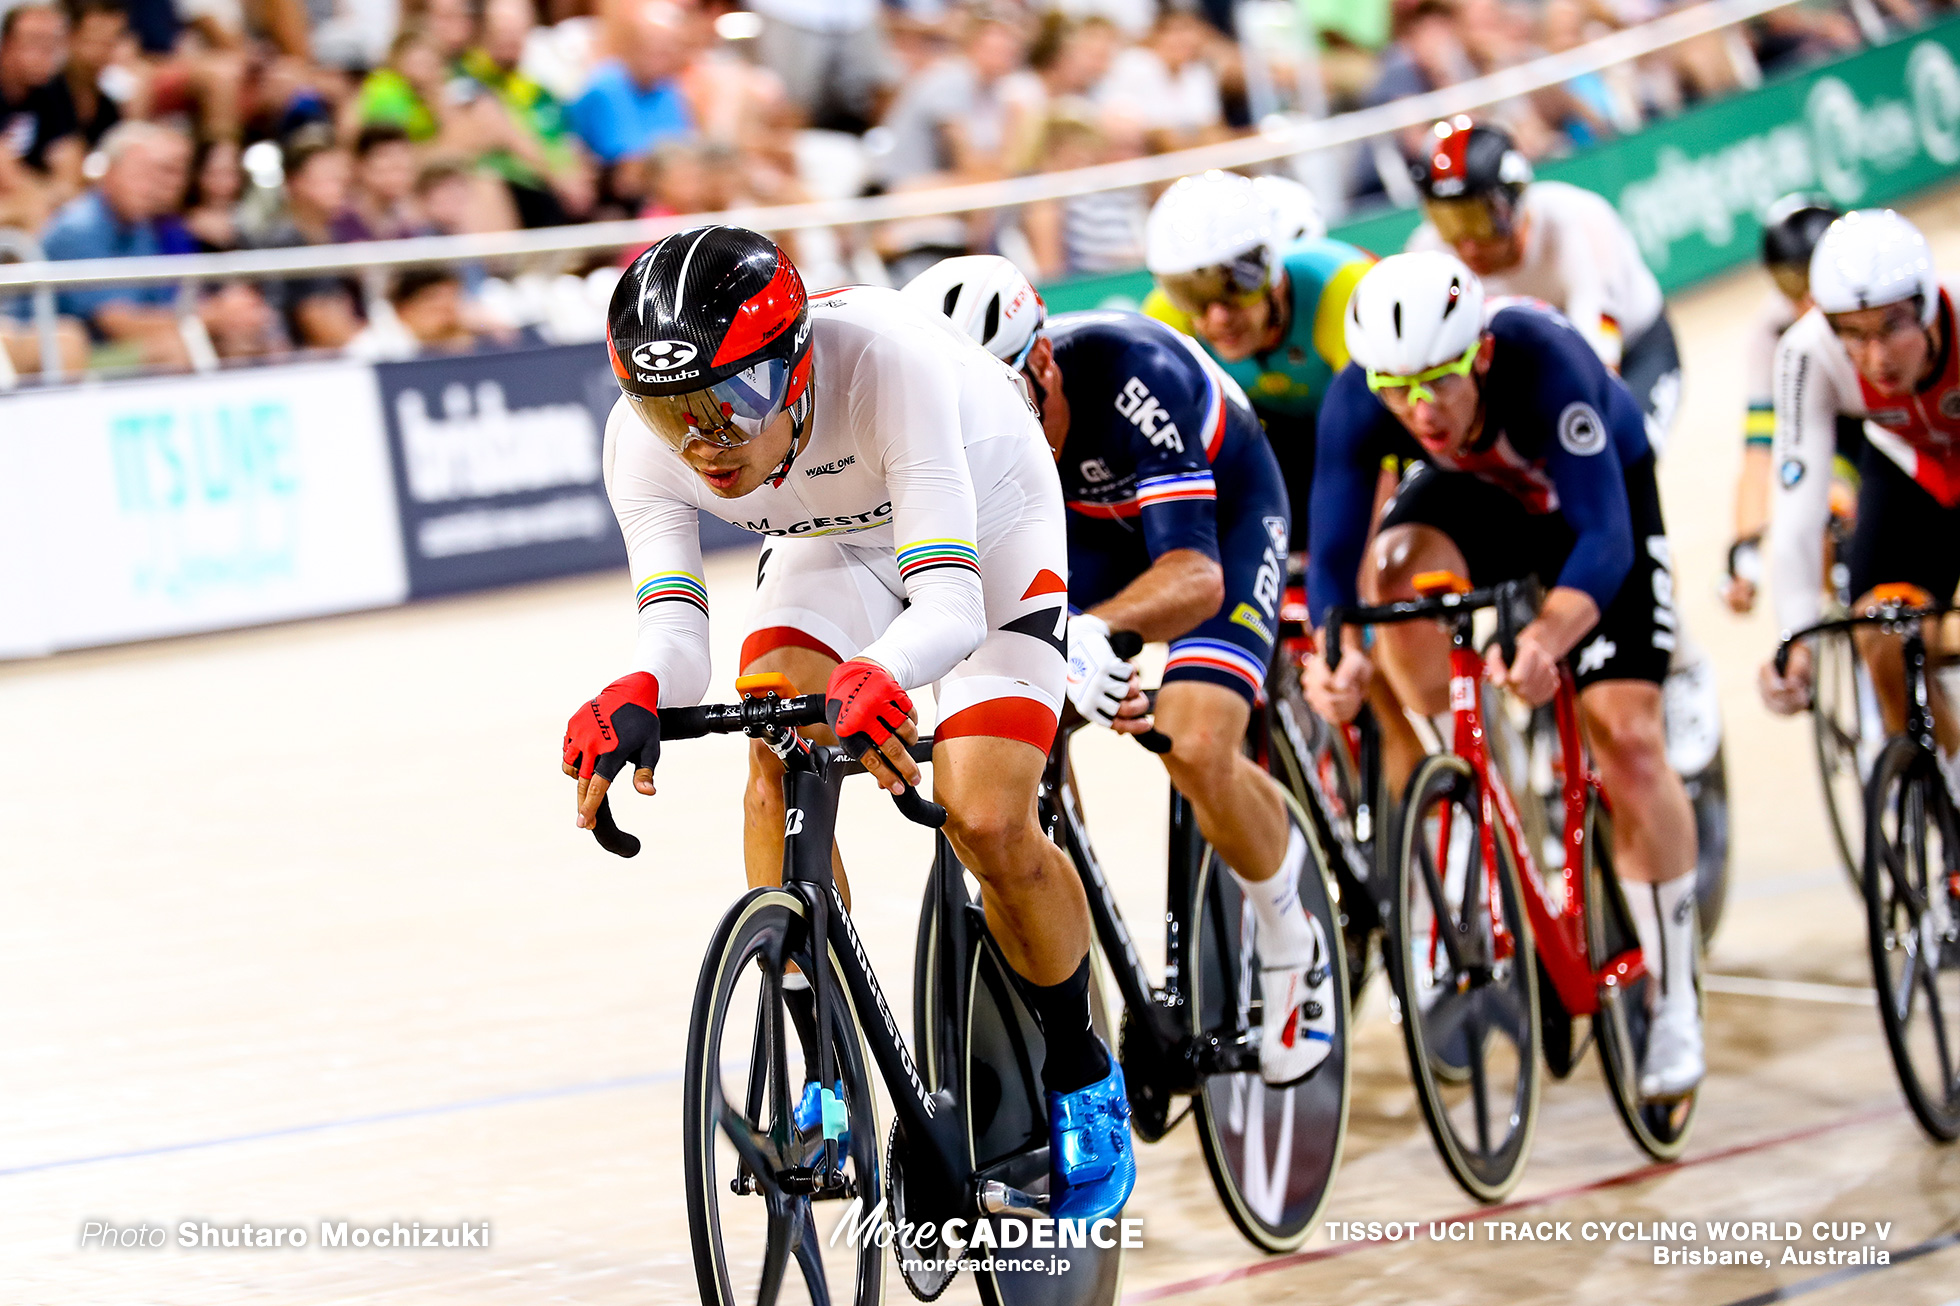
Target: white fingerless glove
x=1098, y=680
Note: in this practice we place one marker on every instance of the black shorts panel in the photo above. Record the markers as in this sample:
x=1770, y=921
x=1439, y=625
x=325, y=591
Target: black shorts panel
x=1634, y=639
x=1903, y=533
x=1650, y=366
x=1850, y=449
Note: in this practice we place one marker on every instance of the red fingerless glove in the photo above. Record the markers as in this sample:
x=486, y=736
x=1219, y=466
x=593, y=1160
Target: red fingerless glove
x=864, y=705
x=621, y=725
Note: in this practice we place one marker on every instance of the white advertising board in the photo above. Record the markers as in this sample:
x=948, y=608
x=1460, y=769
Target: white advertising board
x=149, y=508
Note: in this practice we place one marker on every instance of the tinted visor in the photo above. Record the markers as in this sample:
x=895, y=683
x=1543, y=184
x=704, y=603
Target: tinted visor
x=1239, y=283
x=1468, y=219
x=729, y=413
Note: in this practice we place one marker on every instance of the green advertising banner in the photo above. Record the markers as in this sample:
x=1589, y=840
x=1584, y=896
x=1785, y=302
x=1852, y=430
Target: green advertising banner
x=1872, y=128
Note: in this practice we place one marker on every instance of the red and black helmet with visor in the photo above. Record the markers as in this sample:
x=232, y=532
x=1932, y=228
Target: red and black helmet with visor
x=1472, y=177
x=709, y=333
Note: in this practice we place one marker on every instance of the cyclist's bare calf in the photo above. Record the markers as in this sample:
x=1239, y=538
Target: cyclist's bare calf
x=1239, y=807
x=1653, y=822
x=1035, y=906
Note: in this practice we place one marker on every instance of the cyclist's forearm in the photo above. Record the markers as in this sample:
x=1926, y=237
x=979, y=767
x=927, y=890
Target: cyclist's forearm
x=1563, y=620
x=1752, y=492
x=1181, y=589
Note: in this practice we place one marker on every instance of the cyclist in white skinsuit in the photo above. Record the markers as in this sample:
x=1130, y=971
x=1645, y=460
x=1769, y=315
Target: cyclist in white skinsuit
x=915, y=536
x=871, y=527
x=1879, y=345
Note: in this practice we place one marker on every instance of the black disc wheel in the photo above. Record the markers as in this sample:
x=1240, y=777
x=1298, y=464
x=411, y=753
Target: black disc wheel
x=1837, y=731
x=1912, y=873
x=763, y=1192
x=1005, y=1112
x=1660, y=1129
x=1272, y=1152
x=1468, y=981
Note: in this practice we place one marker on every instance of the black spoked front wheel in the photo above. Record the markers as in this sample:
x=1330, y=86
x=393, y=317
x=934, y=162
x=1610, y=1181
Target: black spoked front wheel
x=762, y=1195
x=1660, y=1129
x=1912, y=870
x=1272, y=1152
x=1837, y=731
x=1708, y=796
x=1310, y=759
x=1469, y=994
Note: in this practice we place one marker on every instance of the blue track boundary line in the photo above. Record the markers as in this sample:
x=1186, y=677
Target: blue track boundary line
x=353, y=1122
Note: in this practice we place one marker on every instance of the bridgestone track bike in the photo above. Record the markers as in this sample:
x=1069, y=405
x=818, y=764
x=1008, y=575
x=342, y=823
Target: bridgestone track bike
x=1496, y=969
x=970, y=1138
x=1272, y=1152
x=1911, y=875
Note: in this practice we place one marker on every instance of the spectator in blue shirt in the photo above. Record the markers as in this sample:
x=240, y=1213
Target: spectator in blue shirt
x=634, y=103
x=119, y=218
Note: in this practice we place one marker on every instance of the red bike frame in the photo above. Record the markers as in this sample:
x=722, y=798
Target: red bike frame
x=1556, y=911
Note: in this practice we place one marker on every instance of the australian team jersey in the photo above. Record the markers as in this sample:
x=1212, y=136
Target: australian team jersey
x=1160, y=441
x=913, y=453
x=1815, y=384
x=1292, y=377
x=1559, y=430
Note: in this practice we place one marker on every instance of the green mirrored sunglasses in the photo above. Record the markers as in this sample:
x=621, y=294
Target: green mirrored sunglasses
x=1418, y=385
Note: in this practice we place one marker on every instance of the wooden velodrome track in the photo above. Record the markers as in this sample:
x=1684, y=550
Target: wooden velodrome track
x=297, y=928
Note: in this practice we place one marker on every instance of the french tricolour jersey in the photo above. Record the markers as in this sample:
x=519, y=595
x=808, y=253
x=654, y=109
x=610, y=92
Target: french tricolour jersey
x=903, y=458
x=1158, y=434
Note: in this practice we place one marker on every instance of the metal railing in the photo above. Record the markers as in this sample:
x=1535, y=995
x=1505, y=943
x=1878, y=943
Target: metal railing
x=1281, y=137
x=27, y=249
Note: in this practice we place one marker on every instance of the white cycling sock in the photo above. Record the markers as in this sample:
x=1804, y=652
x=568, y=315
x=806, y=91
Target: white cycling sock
x=1664, y=917
x=1285, y=937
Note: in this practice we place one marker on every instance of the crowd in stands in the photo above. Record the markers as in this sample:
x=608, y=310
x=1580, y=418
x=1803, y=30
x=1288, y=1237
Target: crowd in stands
x=144, y=127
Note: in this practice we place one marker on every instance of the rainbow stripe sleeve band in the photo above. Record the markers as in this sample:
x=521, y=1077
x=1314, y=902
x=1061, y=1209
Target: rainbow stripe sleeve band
x=674, y=587
x=925, y=555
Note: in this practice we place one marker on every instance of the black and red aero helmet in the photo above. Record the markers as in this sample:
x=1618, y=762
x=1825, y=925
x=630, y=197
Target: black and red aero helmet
x=709, y=334
x=1471, y=168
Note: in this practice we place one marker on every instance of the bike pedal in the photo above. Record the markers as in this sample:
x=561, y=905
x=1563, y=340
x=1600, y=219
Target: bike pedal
x=997, y=1198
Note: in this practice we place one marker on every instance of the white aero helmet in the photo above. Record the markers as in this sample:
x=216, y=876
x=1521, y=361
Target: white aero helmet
x=1414, y=312
x=1872, y=258
x=1210, y=237
x=1296, y=213
x=987, y=298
